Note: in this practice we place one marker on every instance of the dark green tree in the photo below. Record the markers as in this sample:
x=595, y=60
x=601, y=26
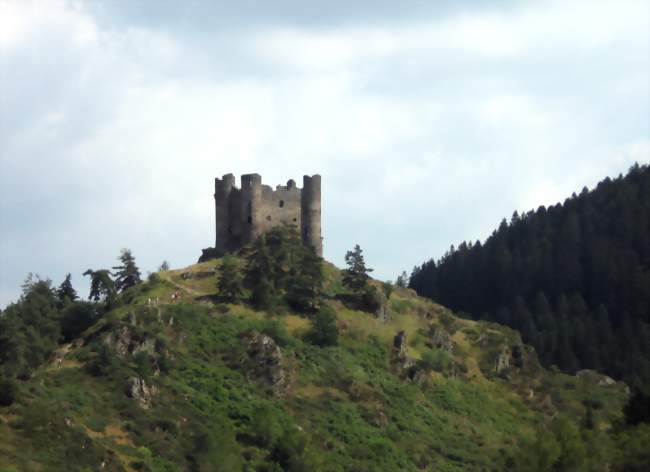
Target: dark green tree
x=355, y=277
x=637, y=409
x=66, y=291
x=280, y=269
x=29, y=328
x=230, y=283
x=127, y=274
x=102, y=287
x=76, y=318
x=261, y=275
x=306, y=281
x=7, y=391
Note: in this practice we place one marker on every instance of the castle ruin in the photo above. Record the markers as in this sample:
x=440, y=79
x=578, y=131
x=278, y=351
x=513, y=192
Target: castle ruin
x=242, y=214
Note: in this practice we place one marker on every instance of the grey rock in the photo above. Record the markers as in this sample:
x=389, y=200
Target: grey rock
x=141, y=392
x=400, y=360
x=268, y=364
x=508, y=359
x=383, y=312
x=125, y=342
x=439, y=338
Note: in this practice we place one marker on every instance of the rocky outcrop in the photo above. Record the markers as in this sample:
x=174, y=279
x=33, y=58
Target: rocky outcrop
x=502, y=363
x=439, y=338
x=126, y=341
x=508, y=358
x=141, y=392
x=401, y=362
x=382, y=313
x=208, y=254
x=595, y=377
x=266, y=363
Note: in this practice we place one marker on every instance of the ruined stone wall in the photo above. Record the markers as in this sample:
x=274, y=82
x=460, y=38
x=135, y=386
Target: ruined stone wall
x=281, y=205
x=243, y=214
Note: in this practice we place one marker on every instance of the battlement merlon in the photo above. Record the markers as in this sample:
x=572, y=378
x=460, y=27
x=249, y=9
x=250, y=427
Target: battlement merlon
x=250, y=180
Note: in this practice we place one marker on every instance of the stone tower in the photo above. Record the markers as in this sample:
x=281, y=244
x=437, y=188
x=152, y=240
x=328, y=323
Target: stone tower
x=242, y=214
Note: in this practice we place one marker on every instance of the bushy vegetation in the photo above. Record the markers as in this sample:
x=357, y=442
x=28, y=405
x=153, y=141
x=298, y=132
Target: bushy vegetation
x=282, y=271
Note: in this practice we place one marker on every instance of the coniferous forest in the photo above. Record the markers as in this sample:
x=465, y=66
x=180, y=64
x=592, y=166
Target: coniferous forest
x=573, y=278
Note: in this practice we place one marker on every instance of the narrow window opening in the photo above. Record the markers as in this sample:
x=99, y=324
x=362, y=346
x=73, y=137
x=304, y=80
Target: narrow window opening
x=229, y=229
x=250, y=220
x=295, y=219
x=268, y=218
x=281, y=203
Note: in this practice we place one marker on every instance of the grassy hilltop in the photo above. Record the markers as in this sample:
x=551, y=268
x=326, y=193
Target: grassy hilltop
x=167, y=383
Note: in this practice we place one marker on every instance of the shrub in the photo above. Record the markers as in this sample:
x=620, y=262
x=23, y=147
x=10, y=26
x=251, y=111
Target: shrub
x=143, y=364
x=154, y=278
x=387, y=287
x=436, y=360
x=324, y=331
x=103, y=362
x=76, y=318
x=371, y=299
x=278, y=332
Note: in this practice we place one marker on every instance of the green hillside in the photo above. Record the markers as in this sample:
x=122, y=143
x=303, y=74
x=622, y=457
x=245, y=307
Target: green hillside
x=171, y=380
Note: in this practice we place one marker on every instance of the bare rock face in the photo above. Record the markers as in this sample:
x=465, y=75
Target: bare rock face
x=268, y=366
x=595, y=377
x=125, y=341
x=141, y=392
x=510, y=357
x=440, y=339
x=503, y=361
x=382, y=313
x=400, y=360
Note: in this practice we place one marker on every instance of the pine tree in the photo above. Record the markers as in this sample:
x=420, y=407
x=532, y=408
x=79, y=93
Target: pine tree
x=66, y=292
x=260, y=275
x=355, y=277
x=102, y=287
x=127, y=274
x=230, y=282
x=306, y=282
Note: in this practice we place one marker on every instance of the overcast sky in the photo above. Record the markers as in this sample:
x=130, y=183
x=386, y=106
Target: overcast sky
x=428, y=122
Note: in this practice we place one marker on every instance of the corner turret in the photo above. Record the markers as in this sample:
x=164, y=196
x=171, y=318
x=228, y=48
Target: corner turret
x=310, y=205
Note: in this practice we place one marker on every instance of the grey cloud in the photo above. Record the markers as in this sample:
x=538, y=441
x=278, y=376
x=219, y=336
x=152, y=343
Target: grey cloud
x=196, y=17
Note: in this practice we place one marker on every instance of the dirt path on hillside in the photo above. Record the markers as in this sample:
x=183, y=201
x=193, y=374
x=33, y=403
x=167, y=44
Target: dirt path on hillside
x=188, y=290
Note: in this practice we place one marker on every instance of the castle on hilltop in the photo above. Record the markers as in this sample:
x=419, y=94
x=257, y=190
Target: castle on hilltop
x=242, y=214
